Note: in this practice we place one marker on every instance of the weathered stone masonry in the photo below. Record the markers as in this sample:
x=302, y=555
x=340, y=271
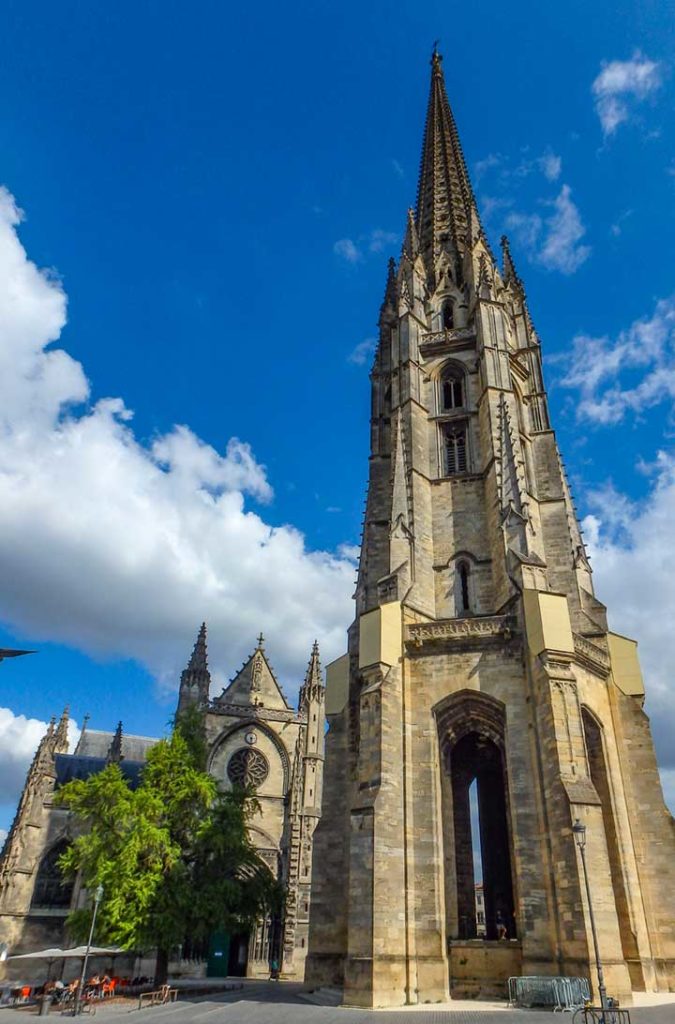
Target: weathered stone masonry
x=479, y=655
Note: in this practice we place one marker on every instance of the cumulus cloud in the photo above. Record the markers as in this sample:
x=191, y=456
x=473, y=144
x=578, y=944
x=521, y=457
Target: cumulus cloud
x=554, y=241
x=632, y=545
x=630, y=373
x=362, y=352
x=19, y=739
x=620, y=85
x=120, y=548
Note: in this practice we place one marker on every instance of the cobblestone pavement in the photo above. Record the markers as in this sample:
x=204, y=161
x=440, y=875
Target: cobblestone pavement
x=273, y=1003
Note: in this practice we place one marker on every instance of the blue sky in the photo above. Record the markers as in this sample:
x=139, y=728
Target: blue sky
x=217, y=190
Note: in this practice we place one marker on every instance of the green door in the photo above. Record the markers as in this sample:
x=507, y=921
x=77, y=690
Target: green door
x=219, y=955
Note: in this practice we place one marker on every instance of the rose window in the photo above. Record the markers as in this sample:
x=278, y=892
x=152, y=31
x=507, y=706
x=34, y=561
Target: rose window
x=247, y=767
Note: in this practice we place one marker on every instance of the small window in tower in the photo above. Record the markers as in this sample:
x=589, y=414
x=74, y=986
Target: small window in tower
x=302, y=943
x=454, y=449
x=452, y=389
x=314, y=718
x=448, y=316
x=311, y=792
x=463, y=571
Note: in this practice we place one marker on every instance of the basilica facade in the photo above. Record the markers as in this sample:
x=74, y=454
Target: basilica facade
x=255, y=738
x=480, y=668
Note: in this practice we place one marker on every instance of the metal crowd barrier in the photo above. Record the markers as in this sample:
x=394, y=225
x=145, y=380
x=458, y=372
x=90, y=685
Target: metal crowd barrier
x=560, y=993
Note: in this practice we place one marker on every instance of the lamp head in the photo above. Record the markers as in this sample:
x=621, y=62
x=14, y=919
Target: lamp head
x=98, y=895
x=579, y=831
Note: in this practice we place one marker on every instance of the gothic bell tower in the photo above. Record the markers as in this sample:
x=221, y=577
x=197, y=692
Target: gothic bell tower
x=480, y=675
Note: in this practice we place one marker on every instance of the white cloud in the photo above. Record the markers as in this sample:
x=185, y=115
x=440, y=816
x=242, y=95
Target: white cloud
x=378, y=240
x=551, y=166
x=19, y=739
x=564, y=230
x=348, y=250
x=632, y=546
x=362, y=352
x=497, y=165
x=554, y=242
x=374, y=241
x=488, y=163
x=121, y=549
x=398, y=168
x=620, y=84
x=3, y=836
x=645, y=353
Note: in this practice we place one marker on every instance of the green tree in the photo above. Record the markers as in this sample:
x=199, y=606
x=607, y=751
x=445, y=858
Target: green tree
x=173, y=856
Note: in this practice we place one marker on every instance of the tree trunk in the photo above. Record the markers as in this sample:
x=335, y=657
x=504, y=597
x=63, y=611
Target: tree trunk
x=161, y=967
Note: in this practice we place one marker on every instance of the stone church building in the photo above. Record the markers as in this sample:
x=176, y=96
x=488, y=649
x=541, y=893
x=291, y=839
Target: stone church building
x=254, y=737
x=479, y=662
x=483, y=704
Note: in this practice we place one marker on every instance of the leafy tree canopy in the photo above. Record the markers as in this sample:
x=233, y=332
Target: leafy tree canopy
x=173, y=856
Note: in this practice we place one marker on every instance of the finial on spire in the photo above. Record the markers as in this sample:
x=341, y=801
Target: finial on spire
x=261, y=642
x=436, y=57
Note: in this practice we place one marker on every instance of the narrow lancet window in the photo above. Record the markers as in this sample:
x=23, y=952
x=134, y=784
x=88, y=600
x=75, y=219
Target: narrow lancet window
x=464, y=587
x=448, y=316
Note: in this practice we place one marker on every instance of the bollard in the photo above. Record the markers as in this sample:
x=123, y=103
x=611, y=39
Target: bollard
x=45, y=1003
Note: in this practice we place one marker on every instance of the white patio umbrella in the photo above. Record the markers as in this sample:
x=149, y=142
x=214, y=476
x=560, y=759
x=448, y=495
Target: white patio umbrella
x=41, y=954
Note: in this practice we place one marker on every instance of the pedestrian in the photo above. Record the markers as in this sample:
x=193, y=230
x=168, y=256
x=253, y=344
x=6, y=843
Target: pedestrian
x=500, y=923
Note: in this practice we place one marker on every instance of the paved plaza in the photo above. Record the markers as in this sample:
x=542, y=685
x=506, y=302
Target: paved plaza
x=283, y=1003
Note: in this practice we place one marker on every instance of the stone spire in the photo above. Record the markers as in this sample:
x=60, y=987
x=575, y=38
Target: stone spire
x=38, y=786
x=115, y=755
x=195, y=680
x=446, y=207
x=388, y=310
x=61, y=733
x=312, y=687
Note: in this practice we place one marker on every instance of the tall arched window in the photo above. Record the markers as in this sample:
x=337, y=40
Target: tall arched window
x=51, y=888
x=448, y=315
x=452, y=389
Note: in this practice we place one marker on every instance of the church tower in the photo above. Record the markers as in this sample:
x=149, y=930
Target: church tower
x=483, y=705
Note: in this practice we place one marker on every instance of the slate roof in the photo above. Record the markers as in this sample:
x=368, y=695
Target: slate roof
x=77, y=766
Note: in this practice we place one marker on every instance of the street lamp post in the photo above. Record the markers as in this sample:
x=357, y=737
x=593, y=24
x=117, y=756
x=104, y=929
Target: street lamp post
x=579, y=831
x=98, y=896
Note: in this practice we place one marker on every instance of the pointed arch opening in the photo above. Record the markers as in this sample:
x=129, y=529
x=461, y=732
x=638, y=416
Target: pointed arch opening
x=597, y=764
x=476, y=832
x=448, y=315
x=52, y=890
